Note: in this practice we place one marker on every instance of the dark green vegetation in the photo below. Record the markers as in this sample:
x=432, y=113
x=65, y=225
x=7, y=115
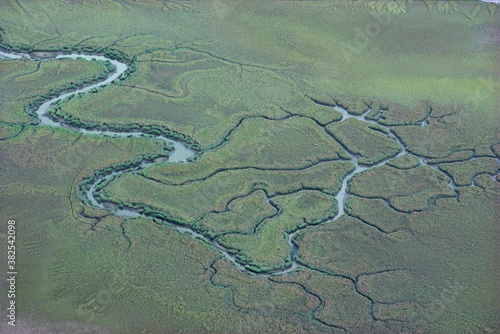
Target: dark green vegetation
x=252, y=84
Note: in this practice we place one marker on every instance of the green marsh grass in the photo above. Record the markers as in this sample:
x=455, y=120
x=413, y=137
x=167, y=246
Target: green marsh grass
x=198, y=69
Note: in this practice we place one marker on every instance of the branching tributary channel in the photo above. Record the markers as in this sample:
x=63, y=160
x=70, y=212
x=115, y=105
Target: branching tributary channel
x=181, y=153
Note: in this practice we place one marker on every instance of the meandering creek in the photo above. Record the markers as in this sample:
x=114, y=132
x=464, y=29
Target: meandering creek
x=181, y=153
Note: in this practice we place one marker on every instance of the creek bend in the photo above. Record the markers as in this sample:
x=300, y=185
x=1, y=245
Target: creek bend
x=181, y=153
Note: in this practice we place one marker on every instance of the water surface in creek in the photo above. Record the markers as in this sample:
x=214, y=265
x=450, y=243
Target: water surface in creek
x=181, y=153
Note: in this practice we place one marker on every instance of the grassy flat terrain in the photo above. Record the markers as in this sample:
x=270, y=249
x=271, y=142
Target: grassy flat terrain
x=253, y=85
x=267, y=248
x=340, y=305
x=242, y=215
x=376, y=212
x=23, y=80
x=416, y=274
x=370, y=141
x=405, y=161
x=187, y=202
x=406, y=190
x=463, y=173
x=261, y=144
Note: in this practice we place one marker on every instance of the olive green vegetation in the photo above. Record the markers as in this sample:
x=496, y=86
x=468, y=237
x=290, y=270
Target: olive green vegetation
x=406, y=190
x=488, y=183
x=203, y=99
x=268, y=300
x=376, y=212
x=449, y=135
x=253, y=84
x=318, y=49
x=369, y=55
x=103, y=272
x=188, y=202
x=259, y=143
x=419, y=67
x=340, y=305
x=371, y=141
x=426, y=270
x=242, y=215
x=267, y=249
x=352, y=248
x=463, y=173
x=50, y=162
x=457, y=156
x=25, y=83
x=9, y=130
x=325, y=176
x=405, y=161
